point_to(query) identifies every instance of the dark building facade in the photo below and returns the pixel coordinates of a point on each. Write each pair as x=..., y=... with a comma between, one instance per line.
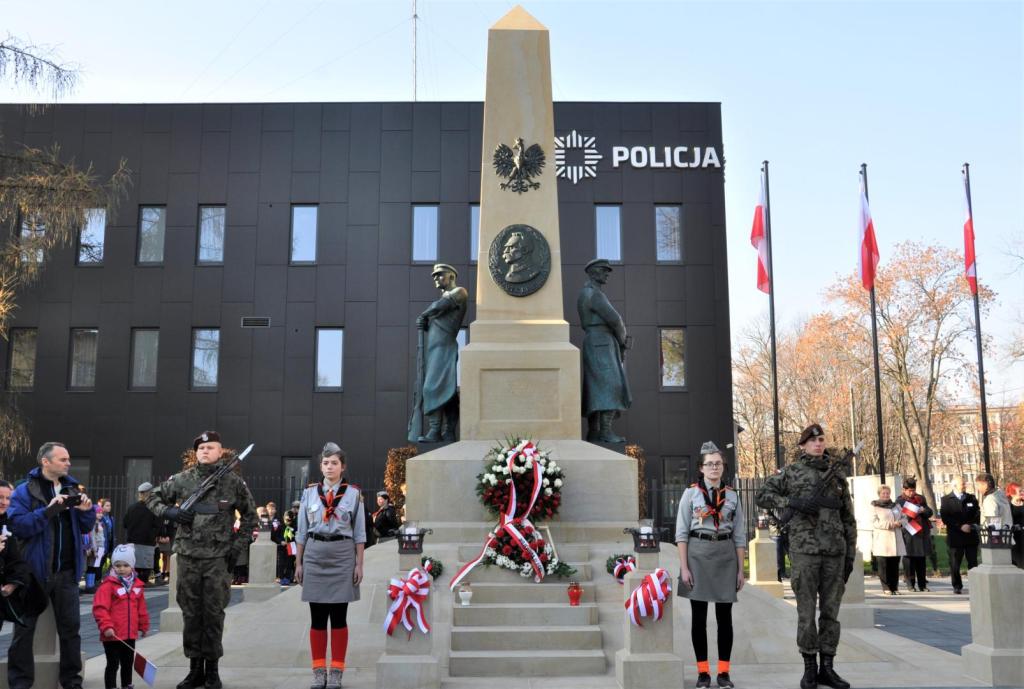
x=320, y=223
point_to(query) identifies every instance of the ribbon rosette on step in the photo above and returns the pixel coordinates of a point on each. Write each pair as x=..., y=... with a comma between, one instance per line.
x=648, y=599
x=520, y=483
x=409, y=595
x=621, y=565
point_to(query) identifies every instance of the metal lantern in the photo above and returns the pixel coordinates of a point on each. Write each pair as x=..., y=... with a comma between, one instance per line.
x=410, y=539
x=645, y=537
x=997, y=537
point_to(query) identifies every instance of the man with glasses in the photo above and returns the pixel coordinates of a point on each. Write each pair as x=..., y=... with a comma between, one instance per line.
x=822, y=546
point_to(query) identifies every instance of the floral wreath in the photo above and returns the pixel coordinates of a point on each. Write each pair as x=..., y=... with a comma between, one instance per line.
x=432, y=566
x=520, y=483
x=620, y=564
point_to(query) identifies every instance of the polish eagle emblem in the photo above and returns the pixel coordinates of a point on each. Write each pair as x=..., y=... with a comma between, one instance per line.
x=519, y=165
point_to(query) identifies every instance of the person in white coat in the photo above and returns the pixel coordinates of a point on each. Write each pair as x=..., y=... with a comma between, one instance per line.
x=886, y=540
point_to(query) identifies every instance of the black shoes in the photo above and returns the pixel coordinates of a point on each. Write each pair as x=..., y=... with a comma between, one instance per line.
x=958, y=591
x=212, y=676
x=827, y=675
x=195, y=678
x=810, y=678
x=723, y=680
x=703, y=680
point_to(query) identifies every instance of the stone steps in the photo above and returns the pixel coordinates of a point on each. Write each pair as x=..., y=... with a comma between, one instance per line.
x=497, y=575
x=528, y=592
x=520, y=614
x=526, y=663
x=526, y=638
x=568, y=552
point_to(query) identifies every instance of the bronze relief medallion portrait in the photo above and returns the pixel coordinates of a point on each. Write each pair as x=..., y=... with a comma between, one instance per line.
x=520, y=260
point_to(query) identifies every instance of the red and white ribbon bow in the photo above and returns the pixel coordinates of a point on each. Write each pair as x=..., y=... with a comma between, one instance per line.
x=409, y=595
x=623, y=566
x=507, y=521
x=648, y=599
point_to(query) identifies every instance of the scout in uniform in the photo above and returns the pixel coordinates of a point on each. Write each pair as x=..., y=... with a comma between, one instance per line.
x=822, y=544
x=329, y=564
x=711, y=536
x=207, y=548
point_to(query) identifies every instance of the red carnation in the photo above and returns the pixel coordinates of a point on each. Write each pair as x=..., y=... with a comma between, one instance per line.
x=539, y=543
x=543, y=558
x=528, y=530
x=500, y=533
x=506, y=550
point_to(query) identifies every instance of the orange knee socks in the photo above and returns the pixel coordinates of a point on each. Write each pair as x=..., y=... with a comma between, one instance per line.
x=318, y=647
x=703, y=666
x=723, y=666
x=339, y=647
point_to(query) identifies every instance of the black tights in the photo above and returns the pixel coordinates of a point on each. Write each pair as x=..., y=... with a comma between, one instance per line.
x=319, y=612
x=118, y=653
x=699, y=629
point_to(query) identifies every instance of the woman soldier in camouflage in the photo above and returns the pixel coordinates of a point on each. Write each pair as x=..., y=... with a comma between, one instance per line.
x=329, y=562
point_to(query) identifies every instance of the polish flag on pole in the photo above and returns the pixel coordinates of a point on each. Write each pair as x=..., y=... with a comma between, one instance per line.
x=970, y=267
x=868, y=244
x=759, y=240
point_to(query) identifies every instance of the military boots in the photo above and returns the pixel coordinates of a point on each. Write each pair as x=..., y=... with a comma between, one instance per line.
x=212, y=676
x=607, y=435
x=195, y=678
x=433, y=422
x=810, y=678
x=827, y=675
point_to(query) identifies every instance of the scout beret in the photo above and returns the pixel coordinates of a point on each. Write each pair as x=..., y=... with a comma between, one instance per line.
x=383, y=494
x=205, y=437
x=331, y=449
x=812, y=431
x=444, y=267
x=598, y=263
x=709, y=448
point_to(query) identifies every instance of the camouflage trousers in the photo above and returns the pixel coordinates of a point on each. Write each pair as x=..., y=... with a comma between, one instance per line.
x=204, y=589
x=818, y=583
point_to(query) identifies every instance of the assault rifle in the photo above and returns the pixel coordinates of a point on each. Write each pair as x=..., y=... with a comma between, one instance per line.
x=210, y=481
x=818, y=493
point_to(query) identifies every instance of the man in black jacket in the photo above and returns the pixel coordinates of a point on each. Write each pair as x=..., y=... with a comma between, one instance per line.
x=141, y=527
x=961, y=513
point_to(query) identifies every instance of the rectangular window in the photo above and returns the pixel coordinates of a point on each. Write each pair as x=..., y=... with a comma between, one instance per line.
x=669, y=222
x=32, y=233
x=673, y=358
x=21, y=370
x=145, y=348
x=474, y=232
x=609, y=232
x=137, y=470
x=80, y=470
x=152, y=228
x=212, y=221
x=676, y=476
x=205, y=358
x=303, y=234
x=295, y=477
x=330, y=349
x=90, y=239
x=424, y=233
x=84, y=342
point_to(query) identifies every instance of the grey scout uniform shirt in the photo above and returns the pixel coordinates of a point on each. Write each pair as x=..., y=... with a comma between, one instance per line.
x=348, y=514
x=692, y=505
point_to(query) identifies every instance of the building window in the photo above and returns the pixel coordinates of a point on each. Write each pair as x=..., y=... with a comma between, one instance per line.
x=474, y=232
x=303, y=234
x=145, y=348
x=32, y=233
x=90, y=239
x=80, y=469
x=424, y=233
x=676, y=473
x=152, y=228
x=673, y=358
x=84, y=342
x=21, y=370
x=609, y=232
x=205, y=358
x=669, y=225
x=330, y=349
x=137, y=470
x=295, y=477
x=212, y=221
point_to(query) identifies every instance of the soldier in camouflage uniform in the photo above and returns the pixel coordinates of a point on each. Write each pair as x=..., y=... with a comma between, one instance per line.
x=822, y=543
x=207, y=549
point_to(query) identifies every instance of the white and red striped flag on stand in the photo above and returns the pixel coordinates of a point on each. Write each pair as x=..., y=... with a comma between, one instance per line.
x=868, y=243
x=759, y=240
x=970, y=267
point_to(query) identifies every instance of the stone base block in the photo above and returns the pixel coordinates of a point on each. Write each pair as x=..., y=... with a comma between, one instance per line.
x=994, y=666
x=171, y=620
x=857, y=615
x=772, y=588
x=255, y=593
x=408, y=672
x=648, y=670
x=47, y=671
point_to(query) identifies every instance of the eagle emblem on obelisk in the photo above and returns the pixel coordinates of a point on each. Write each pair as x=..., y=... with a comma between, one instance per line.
x=519, y=165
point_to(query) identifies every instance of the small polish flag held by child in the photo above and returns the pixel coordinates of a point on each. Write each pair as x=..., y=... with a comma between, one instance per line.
x=910, y=509
x=146, y=669
x=292, y=549
x=912, y=526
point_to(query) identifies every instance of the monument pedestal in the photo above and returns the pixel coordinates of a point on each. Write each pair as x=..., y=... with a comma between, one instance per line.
x=262, y=570
x=996, y=652
x=44, y=652
x=764, y=572
x=171, y=619
x=408, y=661
x=854, y=612
x=647, y=659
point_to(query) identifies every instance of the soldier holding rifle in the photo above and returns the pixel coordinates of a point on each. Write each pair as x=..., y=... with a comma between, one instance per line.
x=813, y=496
x=202, y=502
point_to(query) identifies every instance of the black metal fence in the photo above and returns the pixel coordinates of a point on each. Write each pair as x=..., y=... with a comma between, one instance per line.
x=663, y=502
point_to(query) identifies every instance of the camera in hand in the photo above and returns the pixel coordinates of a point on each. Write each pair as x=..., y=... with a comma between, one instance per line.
x=74, y=498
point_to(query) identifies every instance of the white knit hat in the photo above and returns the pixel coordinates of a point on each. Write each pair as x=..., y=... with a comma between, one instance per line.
x=124, y=553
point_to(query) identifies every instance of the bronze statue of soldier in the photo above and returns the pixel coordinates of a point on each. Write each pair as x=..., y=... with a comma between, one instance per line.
x=436, y=408
x=605, y=388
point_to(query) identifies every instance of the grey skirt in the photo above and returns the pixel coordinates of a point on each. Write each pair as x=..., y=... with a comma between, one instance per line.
x=713, y=565
x=327, y=568
x=144, y=556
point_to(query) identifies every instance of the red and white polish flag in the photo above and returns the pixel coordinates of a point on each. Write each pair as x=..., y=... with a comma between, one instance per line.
x=868, y=244
x=759, y=240
x=970, y=267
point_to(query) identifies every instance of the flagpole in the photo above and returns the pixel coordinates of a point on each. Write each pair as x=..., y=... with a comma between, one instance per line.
x=977, y=330
x=771, y=318
x=874, y=350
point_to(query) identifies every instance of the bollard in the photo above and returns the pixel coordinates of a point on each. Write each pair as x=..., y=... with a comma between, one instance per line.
x=996, y=652
x=171, y=619
x=647, y=658
x=408, y=661
x=854, y=612
x=262, y=570
x=764, y=572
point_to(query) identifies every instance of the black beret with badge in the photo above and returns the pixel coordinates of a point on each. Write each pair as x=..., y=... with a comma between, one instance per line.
x=812, y=431
x=205, y=437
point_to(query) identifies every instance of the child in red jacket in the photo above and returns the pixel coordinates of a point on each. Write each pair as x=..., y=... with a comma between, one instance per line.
x=119, y=607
